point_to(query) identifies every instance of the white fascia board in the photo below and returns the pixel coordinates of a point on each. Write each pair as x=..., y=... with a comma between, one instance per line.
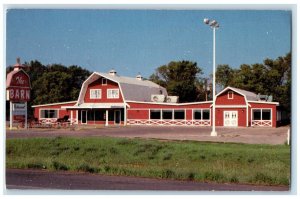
x=58, y=103
x=101, y=75
x=173, y=104
x=262, y=102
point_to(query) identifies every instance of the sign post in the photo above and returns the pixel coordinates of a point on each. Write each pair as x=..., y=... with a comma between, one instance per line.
x=18, y=93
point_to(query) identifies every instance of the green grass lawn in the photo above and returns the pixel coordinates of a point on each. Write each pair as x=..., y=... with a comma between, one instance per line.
x=200, y=161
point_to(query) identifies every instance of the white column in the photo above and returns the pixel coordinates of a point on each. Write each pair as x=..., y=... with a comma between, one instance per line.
x=213, y=132
x=71, y=117
x=125, y=115
x=106, y=117
x=76, y=116
x=10, y=114
x=25, y=115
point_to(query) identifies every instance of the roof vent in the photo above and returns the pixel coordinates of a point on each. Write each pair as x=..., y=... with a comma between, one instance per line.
x=113, y=72
x=139, y=77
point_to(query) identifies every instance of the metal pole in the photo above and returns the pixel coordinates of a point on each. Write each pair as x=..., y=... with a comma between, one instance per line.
x=213, y=132
x=25, y=115
x=10, y=115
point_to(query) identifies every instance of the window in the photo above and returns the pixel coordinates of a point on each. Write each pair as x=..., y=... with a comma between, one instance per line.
x=266, y=114
x=167, y=114
x=49, y=113
x=179, y=114
x=155, y=114
x=230, y=95
x=197, y=114
x=202, y=114
x=256, y=115
x=205, y=115
x=95, y=94
x=104, y=81
x=261, y=114
x=112, y=93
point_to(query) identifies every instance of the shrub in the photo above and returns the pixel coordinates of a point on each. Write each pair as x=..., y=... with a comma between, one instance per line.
x=167, y=156
x=59, y=166
x=86, y=168
x=168, y=173
x=36, y=166
x=214, y=176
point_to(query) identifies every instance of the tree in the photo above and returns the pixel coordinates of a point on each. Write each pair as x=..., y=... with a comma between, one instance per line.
x=179, y=78
x=224, y=75
x=273, y=77
x=53, y=83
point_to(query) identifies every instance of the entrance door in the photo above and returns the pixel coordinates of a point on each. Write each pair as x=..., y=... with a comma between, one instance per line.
x=83, y=117
x=231, y=118
x=117, y=116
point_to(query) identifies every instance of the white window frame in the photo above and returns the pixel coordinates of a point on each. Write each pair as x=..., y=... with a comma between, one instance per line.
x=261, y=109
x=48, y=109
x=113, y=97
x=179, y=110
x=104, y=81
x=157, y=111
x=93, y=90
x=201, y=114
x=230, y=93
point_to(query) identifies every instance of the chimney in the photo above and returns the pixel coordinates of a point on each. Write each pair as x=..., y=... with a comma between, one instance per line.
x=18, y=65
x=113, y=72
x=139, y=77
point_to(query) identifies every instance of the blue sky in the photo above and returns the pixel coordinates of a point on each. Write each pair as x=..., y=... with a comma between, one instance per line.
x=133, y=41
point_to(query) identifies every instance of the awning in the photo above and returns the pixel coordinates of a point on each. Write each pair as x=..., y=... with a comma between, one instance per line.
x=95, y=106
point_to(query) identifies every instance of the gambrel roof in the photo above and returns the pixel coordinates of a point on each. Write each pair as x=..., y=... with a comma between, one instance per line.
x=131, y=88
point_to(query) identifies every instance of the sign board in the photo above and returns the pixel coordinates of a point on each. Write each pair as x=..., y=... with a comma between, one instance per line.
x=18, y=93
x=18, y=86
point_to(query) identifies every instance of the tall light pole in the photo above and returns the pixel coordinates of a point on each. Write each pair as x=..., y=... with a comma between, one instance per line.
x=214, y=25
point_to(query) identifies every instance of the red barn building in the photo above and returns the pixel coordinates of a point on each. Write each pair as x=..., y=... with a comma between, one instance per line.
x=110, y=99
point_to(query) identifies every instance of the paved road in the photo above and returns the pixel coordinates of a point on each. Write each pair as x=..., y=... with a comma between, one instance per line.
x=239, y=135
x=40, y=179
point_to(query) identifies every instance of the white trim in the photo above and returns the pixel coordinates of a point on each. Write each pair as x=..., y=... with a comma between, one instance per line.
x=230, y=112
x=58, y=103
x=176, y=104
x=230, y=106
x=112, y=97
x=201, y=109
x=120, y=88
x=261, y=120
x=230, y=93
x=56, y=109
x=263, y=102
x=96, y=89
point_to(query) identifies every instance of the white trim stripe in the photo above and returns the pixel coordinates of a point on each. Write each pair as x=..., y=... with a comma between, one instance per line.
x=58, y=103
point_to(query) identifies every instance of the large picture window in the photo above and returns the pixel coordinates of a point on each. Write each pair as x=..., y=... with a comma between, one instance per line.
x=167, y=114
x=179, y=114
x=95, y=94
x=261, y=114
x=155, y=114
x=112, y=93
x=201, y=114
x=49, y=114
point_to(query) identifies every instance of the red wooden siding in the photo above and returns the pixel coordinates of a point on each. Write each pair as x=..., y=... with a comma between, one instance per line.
x=138, y=114
x=242, y=116
x=238, y=99
x=62, y=112
x=98, y=85
x=265, y=106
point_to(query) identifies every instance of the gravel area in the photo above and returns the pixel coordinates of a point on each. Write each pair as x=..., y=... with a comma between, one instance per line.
x=248, y=135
